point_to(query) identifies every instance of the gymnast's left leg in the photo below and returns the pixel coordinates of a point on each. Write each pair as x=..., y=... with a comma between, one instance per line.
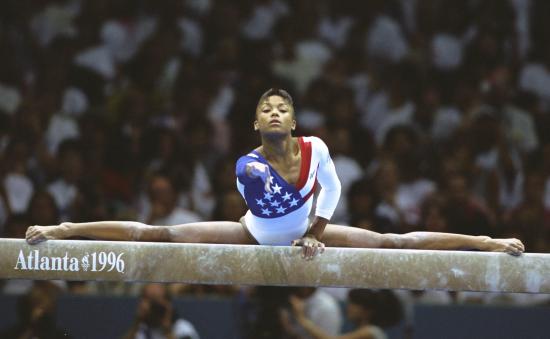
x=345, y=236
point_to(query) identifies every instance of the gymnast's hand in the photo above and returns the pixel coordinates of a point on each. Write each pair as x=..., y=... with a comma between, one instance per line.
x=511, y=246
x=310, y=245
x=36, y=234
x=256, y=169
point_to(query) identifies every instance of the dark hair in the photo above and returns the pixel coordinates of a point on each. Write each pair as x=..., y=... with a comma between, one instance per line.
x=157, y=311
x=278, y=92
x=386, y=308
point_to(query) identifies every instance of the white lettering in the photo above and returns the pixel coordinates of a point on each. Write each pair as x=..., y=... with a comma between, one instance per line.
x=29, y=261
x=36, y=256
x=66, y=262
x=45, y=263
x=74, y=265
x=56, y=264
x=33, y=261
x=20, y=261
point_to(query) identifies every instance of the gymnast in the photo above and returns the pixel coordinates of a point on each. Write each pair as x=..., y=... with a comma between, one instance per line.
x=277, y=181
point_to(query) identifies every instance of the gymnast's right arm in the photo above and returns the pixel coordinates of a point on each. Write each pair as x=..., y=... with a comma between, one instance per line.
x=100, y=230
x=248, y=170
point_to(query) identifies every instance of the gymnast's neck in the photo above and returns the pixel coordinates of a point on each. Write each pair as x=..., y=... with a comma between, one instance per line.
x=279, y=147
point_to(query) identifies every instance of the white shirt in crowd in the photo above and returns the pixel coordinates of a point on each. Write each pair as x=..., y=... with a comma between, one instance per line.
x=324, y=310
x=182, y=329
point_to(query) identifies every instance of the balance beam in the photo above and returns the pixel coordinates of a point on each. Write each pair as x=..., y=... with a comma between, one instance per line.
x=278, y=266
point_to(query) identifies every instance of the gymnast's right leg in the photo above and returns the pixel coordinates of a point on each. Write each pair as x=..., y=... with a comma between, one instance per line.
x=214, y=232
x=211, y=232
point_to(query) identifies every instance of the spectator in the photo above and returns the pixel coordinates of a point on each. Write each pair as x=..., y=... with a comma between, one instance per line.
x=362, y=202
x=319, y=307
x=347, y=168
x=230, y=206
x=161, y=204
x=465, y=213
x=16, y=184
x=530, y=219
x=66, y=187
x=266, y=313
x=42, y=209
x=156, y=318
x=36, y=314
x=16, y=226
x=400, y=198
x=415, y=97
x=389, y=107
x=370, y=311
x=433, y=217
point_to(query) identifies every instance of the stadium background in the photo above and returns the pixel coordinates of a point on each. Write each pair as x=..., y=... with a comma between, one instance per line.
x=436, y=113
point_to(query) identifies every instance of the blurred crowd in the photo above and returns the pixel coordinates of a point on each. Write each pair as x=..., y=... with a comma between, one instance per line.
x=435, y=111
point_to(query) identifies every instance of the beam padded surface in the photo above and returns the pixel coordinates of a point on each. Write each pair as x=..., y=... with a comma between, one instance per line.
x=266, y=265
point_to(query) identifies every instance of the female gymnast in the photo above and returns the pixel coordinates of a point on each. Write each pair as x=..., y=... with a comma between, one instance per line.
x=278, y=180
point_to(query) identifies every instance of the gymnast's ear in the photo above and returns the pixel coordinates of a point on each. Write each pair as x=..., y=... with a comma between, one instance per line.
x=293, y=125
x=256, y=125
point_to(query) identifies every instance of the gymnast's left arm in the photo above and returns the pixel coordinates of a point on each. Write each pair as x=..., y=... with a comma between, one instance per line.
x=326, y=203
x=330, y=189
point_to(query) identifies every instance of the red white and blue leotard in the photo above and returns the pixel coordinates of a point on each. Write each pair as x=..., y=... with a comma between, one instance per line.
x=279, y=217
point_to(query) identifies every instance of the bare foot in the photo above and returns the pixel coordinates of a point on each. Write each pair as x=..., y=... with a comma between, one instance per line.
x=36, y=234
x=511, y=246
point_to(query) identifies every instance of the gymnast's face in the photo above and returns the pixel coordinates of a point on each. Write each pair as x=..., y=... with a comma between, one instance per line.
x=275, y=116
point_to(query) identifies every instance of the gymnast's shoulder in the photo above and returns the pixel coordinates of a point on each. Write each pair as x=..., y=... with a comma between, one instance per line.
x=317, y=145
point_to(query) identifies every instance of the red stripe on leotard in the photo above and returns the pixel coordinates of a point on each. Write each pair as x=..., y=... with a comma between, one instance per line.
x=307, y=196
x=305, y=148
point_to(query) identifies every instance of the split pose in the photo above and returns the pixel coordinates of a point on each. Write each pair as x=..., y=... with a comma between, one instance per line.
x=278, y=180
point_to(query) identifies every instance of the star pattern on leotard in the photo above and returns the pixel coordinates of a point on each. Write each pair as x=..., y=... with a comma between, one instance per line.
x=281, y=210
x=294, y=202
x=273, y=197
x=277, y=189
x=277, y=203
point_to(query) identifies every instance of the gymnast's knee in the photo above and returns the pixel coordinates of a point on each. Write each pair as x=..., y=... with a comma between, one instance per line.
x=182, y=234
x=396, y=241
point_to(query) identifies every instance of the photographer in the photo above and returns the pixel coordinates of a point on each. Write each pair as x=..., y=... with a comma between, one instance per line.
x=155, y=318
x=36, y=314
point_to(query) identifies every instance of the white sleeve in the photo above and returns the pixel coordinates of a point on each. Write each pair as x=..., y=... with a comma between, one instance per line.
x=330, y=184
x=184, y=329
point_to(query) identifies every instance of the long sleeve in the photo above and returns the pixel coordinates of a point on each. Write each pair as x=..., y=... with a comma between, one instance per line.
x=330, y=184
x=240, y=169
